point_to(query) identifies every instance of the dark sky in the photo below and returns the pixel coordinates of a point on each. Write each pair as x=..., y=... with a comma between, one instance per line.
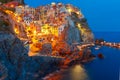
x=102, y=15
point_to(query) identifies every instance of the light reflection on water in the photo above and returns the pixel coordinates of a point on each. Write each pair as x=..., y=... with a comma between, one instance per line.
x=78, y=72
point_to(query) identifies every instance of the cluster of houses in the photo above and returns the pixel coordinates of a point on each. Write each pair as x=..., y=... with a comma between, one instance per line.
x=51, y=19
x=54, y=15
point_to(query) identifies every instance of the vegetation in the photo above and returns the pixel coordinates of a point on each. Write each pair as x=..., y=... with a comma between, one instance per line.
x=5, y=1
x=3, y=23
x=4, y=26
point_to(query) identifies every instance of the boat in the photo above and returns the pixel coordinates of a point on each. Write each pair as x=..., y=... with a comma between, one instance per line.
x=97, y=48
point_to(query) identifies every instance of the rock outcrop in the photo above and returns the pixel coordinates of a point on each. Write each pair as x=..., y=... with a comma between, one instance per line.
x=15, y=63
x=75, y=35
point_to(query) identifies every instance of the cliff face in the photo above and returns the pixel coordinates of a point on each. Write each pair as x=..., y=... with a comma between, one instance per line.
x=87, y=35
x=11, y=51
x=74, y=34
x=64, y=22
x=15, y=63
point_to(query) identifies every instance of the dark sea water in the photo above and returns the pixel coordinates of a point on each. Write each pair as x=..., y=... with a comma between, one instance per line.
x=99, y=69
x=109, y=67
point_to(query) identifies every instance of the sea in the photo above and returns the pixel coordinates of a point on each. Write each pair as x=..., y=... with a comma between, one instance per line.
x=98, y=69
x=109, y=67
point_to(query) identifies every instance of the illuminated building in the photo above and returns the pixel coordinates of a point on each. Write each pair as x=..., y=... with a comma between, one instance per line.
x=48, y=24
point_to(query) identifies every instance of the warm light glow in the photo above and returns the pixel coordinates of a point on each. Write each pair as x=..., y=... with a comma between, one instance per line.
x=8, y=11
x=80, y=28
x=18, y=21
x=19, y=18
x=12, y=5
x=39, y=34
x=69, y=10
x=20, y=6
x=52, y=39
x=78, y=73
x=15, y=14
x=46, y=29
x=35, y=32
x=41, y=31
x=78, y=12
x=16, y=31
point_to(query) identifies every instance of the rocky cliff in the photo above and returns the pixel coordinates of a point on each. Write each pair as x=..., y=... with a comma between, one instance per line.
x=15, y=63
x=74, y=34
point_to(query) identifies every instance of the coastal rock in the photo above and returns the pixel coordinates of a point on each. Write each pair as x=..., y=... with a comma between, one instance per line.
x=46, y=48
x=17, y=65
x=3, y=72
x=11, y=52
x=72, y=33
x=87, y=35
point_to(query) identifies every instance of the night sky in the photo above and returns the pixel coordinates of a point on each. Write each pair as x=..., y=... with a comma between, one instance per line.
x=102, y=15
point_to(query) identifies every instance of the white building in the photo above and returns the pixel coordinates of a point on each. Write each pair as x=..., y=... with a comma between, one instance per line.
x=26, y=9
x=60, y=29
x=27, y=20
x=19, y=10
